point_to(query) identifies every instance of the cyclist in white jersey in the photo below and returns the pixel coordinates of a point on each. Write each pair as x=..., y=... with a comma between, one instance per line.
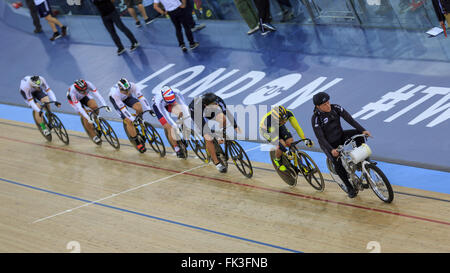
x=35, y=88
x=80, y=96
x=167, y=102
x=124, y=94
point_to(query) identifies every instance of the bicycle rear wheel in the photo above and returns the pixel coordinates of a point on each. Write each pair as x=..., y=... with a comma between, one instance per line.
x=154, y=139
x=335, y=176
x=199, y=147
x=289, y=176
x=240, y=158
x=379, y=183
x=49, y=137
x=59, y=128
x=109, y=133
x=310, y=171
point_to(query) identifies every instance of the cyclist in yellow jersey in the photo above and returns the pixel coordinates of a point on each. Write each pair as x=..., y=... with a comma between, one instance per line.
x=272, y=127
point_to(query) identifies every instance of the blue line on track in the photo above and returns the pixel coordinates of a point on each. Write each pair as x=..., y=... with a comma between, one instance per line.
x=151, y=217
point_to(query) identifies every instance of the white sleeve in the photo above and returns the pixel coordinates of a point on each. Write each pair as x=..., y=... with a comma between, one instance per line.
x=51, y=95
x=33, y=105
x=123, y=108
x=77, y=105
x=165, y=113
x=81, y=110
x=99, y=97
x=29, y=99
x=96, y=93
x=141, y=98
x=179, y=97
x=47, y=89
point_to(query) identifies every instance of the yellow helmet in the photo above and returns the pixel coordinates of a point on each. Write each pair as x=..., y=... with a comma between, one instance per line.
x=279, y=113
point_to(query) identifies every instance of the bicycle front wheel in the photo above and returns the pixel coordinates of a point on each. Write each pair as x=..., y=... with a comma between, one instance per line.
x=154, y=139
x=240, y=158
x=310, y=171
x=379, y=183
x=109, y=134
x=59, y=128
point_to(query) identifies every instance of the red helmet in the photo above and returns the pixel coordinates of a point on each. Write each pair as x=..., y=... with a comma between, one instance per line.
x=80, y=85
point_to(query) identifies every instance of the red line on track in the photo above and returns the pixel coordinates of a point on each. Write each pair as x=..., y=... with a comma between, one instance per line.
x=231, y=182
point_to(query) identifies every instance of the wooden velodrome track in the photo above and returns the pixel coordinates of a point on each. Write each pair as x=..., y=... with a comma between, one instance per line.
x=123, y=201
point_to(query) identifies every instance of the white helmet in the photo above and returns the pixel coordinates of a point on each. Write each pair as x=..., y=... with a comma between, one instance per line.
x=124, y=84
x=35, y=81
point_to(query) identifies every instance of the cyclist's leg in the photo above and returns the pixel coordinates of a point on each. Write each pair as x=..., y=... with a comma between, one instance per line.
x=210, y=147
x=285, y=140
x=137, y=106
x=171, y=135
x=168, y=128
x=130, y=127
x=93, y=105
x=42, y=97
x=343, y=175
x=207, y=134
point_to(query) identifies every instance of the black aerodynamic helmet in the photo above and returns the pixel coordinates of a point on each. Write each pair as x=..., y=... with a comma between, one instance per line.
x=320, y=98
x=209, y=98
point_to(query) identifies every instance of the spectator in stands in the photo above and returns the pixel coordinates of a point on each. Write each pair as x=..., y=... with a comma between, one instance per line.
x=442, y=9
x=45, y=11
x=263, y=7
x=179, y=16
x=35, y=16
x=248, y=13
x=193, y=20
x=130, y=6
x=111, y=17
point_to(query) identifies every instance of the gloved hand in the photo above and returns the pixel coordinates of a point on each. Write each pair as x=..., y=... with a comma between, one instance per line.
x=58, y=104
x=108, y=109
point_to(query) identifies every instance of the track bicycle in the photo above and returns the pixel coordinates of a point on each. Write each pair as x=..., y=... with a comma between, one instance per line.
x=298, y=162
x=361, y=171
x=52, y=122
x=102, y=128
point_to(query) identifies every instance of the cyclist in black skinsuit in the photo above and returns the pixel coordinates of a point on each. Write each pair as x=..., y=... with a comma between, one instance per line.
x=327, y=127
